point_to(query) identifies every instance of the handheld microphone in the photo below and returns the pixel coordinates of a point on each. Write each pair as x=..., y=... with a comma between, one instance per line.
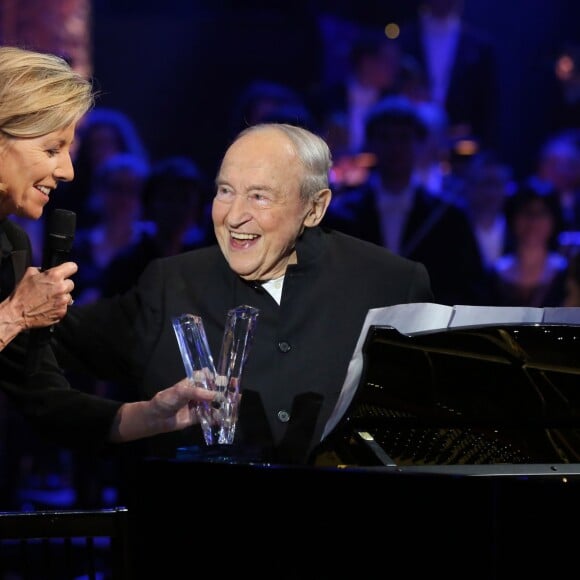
x=58, y=243
x=59, y=238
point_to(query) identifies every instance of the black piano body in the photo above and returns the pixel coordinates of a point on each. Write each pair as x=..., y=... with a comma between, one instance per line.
x=456, y=454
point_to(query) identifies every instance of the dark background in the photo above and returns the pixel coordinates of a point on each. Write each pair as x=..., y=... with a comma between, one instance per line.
x=176, y=66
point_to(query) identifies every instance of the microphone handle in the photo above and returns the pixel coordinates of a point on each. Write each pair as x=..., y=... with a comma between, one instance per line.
x=40, y=337
x=55, y=258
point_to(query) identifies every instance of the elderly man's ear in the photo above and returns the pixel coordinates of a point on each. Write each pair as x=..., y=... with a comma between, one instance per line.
x=320, y=204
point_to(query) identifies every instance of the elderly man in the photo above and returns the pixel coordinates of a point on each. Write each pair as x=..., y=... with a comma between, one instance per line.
x=312, y=286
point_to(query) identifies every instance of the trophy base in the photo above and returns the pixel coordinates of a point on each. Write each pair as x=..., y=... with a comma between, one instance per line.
x=221, y=453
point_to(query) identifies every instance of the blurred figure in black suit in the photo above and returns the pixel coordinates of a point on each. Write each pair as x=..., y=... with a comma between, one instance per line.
x=460, y=63
x=487, y=184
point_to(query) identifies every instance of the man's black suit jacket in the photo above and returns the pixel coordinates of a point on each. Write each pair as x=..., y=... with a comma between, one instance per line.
x=472, y=95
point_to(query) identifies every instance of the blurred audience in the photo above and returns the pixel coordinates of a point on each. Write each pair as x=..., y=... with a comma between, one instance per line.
x=373, y=73
x=534, y=272
x=116, y=194
x=102, y=133
x=392, y=208
x=175, y=217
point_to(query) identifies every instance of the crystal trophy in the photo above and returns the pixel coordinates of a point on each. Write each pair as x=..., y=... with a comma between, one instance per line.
x=218, y=419
x=199, y=368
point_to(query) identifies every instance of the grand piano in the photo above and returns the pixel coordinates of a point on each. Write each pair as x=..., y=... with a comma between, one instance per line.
x=466, y=390
x=454, y=450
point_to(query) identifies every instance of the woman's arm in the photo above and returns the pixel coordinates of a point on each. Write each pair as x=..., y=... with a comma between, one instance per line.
x=169, y=410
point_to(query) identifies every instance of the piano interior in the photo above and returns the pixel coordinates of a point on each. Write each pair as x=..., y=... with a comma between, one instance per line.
x=497, y=395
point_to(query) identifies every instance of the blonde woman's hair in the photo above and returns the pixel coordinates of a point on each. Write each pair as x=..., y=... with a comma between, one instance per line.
x=39, y=93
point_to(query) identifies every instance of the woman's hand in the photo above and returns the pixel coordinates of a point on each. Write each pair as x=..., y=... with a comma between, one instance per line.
x=40, y=299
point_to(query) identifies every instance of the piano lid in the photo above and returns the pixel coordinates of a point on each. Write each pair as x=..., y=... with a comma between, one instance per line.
x=463, y=386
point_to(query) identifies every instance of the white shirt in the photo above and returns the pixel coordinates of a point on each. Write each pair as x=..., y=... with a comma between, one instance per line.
x=274, y=288
x=491, y=240
x=393, y=211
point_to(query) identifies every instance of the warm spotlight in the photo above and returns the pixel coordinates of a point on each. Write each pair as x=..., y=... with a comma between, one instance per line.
x=392, y=30
x=466, y=147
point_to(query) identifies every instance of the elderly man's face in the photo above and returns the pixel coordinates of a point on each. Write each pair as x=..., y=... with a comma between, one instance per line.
x=257, y=211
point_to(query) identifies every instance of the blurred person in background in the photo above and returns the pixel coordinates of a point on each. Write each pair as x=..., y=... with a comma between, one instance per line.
x=487, y=184
x=116, y=194
x=175, y=220
x=533, y=273
x=102, y=133
x=558, y=164
x=461, y=67
x=373, y=72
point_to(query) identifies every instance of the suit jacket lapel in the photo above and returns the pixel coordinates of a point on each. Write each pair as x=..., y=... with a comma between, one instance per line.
x=423, y=217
